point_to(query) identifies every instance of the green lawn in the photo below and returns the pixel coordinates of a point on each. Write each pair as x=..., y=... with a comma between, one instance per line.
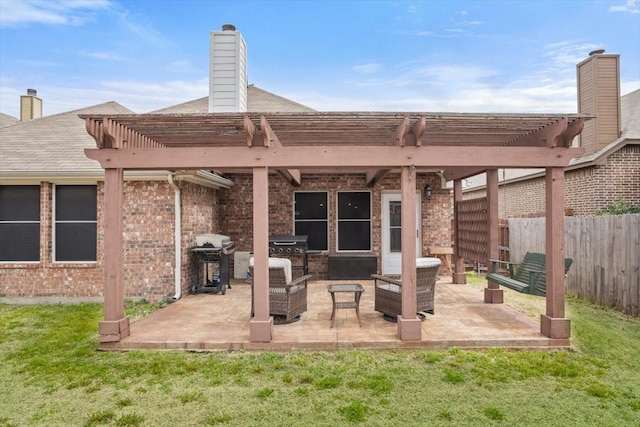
x=52, y=375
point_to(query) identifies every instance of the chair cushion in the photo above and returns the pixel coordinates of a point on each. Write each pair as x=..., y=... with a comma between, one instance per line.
x=279, y=263
x=427, y=262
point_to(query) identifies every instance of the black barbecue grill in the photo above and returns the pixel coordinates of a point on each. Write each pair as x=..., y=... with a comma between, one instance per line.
x=214, y=250
x=288, y=247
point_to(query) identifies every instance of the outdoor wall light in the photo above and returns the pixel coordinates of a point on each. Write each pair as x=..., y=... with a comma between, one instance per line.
x=427, y=192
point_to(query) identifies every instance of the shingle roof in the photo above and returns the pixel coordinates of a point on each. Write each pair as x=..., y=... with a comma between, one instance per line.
x=258, y=100
x=630, y=106
x=26, y=148
x=53, y=143
x=7, y=120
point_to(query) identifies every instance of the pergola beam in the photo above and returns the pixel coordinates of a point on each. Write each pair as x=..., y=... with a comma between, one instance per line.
x=419, y=129
x=462, y=172
x=385, y=157
x=402, y=138
x=249, y=130
x=271, y=140
x=373, y=176
x=402, y=131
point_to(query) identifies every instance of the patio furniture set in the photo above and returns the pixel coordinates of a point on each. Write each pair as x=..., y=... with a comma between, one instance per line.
x=288, y=296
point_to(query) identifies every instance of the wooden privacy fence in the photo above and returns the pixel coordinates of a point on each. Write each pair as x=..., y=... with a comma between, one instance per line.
x=605, y=252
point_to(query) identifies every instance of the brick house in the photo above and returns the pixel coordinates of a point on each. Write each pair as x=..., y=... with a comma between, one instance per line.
x=52, y=219
x=123, y=224
x=610, y=166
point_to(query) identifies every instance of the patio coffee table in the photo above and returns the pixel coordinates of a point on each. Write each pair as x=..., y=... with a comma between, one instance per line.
x=355, y=288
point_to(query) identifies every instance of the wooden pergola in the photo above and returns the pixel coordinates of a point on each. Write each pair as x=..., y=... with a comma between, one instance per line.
x=461, y=145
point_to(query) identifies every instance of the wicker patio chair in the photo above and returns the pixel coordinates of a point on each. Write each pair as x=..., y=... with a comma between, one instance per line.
x=287, y=298
x=388, y=290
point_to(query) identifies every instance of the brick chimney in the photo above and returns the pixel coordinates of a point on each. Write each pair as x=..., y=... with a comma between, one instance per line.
x=30, y=106
x=227, y=71
x=599, y=94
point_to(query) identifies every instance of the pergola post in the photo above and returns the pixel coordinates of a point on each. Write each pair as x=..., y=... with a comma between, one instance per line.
x=553, y=324
x=261, y=325
x=492, y=294
x=458, y=271
x=409, y=326
x=115, y=325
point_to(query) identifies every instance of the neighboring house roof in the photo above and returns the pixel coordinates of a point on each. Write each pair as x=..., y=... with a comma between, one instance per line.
x=26, y=146
x=630, y=106
x=26, y=155
x=630, y=121
x=7, y=120
x=258, y=100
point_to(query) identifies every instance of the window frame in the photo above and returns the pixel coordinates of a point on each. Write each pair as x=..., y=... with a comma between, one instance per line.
x=338, y=221
x=55, y=222
x=325, y=220
x=37, y=222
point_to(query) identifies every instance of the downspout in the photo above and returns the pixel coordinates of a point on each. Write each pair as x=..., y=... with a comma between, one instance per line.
x=177, y=239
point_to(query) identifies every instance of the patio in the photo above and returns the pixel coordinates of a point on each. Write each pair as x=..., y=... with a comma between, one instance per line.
x=210, y=322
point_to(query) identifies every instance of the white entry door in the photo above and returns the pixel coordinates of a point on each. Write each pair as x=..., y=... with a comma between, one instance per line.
x=392, y=232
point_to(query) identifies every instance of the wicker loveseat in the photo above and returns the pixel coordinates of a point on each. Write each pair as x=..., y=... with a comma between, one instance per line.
x=388, y=290
x=287, y=297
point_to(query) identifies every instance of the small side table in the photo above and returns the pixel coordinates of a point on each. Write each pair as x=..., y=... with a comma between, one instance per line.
x=356, y=289
x=445, y=252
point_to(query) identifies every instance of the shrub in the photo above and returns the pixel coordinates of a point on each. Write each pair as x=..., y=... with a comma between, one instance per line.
x=619, y=207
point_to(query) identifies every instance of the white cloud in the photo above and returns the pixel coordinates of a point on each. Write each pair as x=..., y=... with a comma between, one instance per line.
x=631, y=6
x=366, y=68
x=52, y=12
x=107, y=56
x=141, y=30
x=450, y=88
x=563, y=56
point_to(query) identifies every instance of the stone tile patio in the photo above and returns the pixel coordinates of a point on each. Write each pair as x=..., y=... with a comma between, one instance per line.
x=210, y=322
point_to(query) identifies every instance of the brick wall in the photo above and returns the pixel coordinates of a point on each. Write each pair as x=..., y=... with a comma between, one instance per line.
x=236, y=210
x=46, y=279
x=148, y=239
x=149, y=232
x=199, y=216
x=148, y=245
x=586, y=189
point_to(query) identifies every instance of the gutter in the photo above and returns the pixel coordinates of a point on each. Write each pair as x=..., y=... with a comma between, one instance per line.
x=177, y=272
x=204, y=178
x=22, y=177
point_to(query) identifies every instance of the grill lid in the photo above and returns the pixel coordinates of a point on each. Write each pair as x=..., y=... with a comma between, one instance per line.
x=217, y=240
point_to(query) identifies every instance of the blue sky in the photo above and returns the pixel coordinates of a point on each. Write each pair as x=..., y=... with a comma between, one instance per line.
x=458, y=56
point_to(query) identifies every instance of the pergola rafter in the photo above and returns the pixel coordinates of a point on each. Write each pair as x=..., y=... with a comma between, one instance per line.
x=271, y=140
x=110, y=134
x=557, y=134
x=368, y=129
